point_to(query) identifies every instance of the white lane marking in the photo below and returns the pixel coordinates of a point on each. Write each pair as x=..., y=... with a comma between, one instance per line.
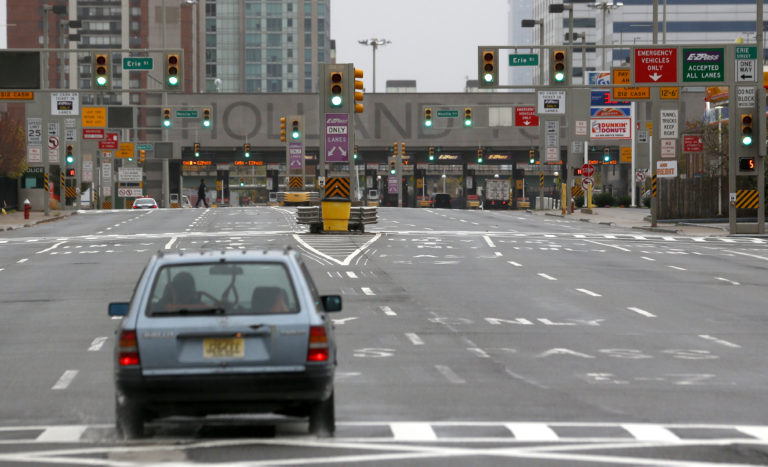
x=719, y=341
x=589, y=292
x=517, y=265
x=650, y=432
x=415, y=340
x=22, y=260
x=61, y=434
x=2, y=269
x=351, y=275
x=479, y=352
x=759, y=432
x=746, y=254
x=170, y=242
x=532, y=432
x=647, y=258
x=727, y=280
x=547, y=277
x=489, y=241
x=367, y=291
x=449, y=374
x=608, y=245
x=640, y=311
x=65, y=380
x=388, y=311
x=55, y=245
x=343, y=320
x=346, y=260
x=498, y=253
x=97, y=344
x=413, y=432
x=677, y=267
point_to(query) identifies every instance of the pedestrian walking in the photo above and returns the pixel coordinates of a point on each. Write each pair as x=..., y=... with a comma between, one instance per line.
x=201, y=194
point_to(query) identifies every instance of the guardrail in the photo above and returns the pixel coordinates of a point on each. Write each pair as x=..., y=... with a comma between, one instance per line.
x=358, y=217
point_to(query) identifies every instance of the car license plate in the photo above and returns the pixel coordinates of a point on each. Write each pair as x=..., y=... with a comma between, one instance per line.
x=223, y=347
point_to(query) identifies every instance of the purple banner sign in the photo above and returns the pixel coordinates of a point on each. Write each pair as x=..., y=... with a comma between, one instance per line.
x=392, y=183
x=337, y=137
x=295, y=155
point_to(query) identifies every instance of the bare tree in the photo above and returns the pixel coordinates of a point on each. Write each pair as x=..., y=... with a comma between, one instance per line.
x=12, y=147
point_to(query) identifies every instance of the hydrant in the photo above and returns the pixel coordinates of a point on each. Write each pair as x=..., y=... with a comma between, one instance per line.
x=27, y=208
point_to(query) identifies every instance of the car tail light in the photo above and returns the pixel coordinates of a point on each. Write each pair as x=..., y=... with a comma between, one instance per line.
x=493, y=202
x=128, y=352
x=318, y=344
x=135, y=207
x=154, y=206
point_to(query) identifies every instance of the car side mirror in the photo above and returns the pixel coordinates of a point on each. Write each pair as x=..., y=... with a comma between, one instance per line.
x=118, y=309
x=331, y=302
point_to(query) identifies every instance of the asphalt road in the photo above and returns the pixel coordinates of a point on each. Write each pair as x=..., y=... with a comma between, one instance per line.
x=467, y=338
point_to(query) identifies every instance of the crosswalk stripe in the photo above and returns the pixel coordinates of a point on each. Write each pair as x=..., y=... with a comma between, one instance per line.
x=532, y=432
x=413, y=432
x=650, y=432
x=759, y=432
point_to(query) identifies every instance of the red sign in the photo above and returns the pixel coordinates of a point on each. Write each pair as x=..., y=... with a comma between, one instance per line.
x=656, y=65
x=526, y=116
x=587, y=170
x=111, y=141
x=693, y=143
x=93, y=133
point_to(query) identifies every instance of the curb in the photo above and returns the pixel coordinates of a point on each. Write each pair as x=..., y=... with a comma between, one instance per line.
x=39, y=221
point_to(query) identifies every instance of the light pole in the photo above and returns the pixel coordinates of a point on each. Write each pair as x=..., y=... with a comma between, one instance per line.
x=375, y=43
x=605, y=7
x=194, y=6
x=529, y=23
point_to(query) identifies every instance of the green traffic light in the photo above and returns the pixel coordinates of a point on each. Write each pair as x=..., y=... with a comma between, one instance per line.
x=173, y=80
x=166, y=123
x=295, y=134
x=101, y=80
x=746, y=140
x=468, y=122
x=559, y=76
x=336, y=101
x=70, y=159
x=479, y=160
x=427, y=123
x=488, y=77
x=207, y=123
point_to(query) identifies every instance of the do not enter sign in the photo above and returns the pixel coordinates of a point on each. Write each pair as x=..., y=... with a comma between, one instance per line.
x=587, y=170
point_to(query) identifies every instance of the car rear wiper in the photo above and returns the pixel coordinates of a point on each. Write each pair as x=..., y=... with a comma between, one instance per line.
x=187, y=311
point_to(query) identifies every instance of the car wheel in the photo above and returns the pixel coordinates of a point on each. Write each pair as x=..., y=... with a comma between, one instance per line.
x=322, y=418
x=129, y=419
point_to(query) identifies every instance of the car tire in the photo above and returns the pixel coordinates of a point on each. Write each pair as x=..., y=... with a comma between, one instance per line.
x=129, y=419
x=322, y=418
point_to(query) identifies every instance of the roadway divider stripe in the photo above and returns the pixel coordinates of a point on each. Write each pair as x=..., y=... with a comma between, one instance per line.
x=759, y=432
x=650, y=432
x=413, y=432
x=532, y=432
x=337, y=187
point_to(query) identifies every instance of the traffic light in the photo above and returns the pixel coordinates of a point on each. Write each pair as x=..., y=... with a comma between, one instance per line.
x=70, y=156
x=358, y=90
x=577, y=172
x=747, y=164
x=355, y=152
x=206, y=117
x=402, y=149
x=428, y=117
x=246, y=150
x=71, y=172
x=431, y=154
x=336, y=88
x=606, y=155
x=242, y=181
x=392, y=165
x=142, y=156
x=100, y=71
x=197, y=149
x=172, y=71
x=479, y=156
x=531, y=157
x=489, y=68
x=468, y=116
x=167, y=117
x=282, y=129
x=559, y=68
x=746, y=129
x=295, y=130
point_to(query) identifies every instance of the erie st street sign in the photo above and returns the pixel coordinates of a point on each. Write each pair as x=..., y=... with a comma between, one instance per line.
x=137, y=63
x=523, y=60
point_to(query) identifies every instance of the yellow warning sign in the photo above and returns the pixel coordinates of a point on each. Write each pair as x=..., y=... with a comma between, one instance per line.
x=337, y=187
x=747, y=199
x=94, y=117
x=634, y=92
x=17, y=95
x=669, y=92
x=626, y=154
x=621, y=76
x=125, y=150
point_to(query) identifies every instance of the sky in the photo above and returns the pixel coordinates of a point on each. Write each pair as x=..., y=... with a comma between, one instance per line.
x=433, y=41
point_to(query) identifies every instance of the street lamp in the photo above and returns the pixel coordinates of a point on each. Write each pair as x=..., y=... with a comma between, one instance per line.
x=605, y=6
x=375, y=43
x=529, y=23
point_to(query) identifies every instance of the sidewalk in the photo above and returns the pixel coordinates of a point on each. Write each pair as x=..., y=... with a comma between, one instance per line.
x=15, y=219
x=640, y=219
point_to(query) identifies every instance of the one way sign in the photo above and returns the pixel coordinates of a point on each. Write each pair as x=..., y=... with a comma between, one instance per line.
x=745, y=70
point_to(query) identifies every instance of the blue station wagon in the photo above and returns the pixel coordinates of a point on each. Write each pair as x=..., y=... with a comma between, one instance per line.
x=225, y=332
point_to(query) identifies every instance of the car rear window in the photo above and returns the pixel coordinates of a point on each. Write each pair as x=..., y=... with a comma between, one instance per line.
x=222, y=289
